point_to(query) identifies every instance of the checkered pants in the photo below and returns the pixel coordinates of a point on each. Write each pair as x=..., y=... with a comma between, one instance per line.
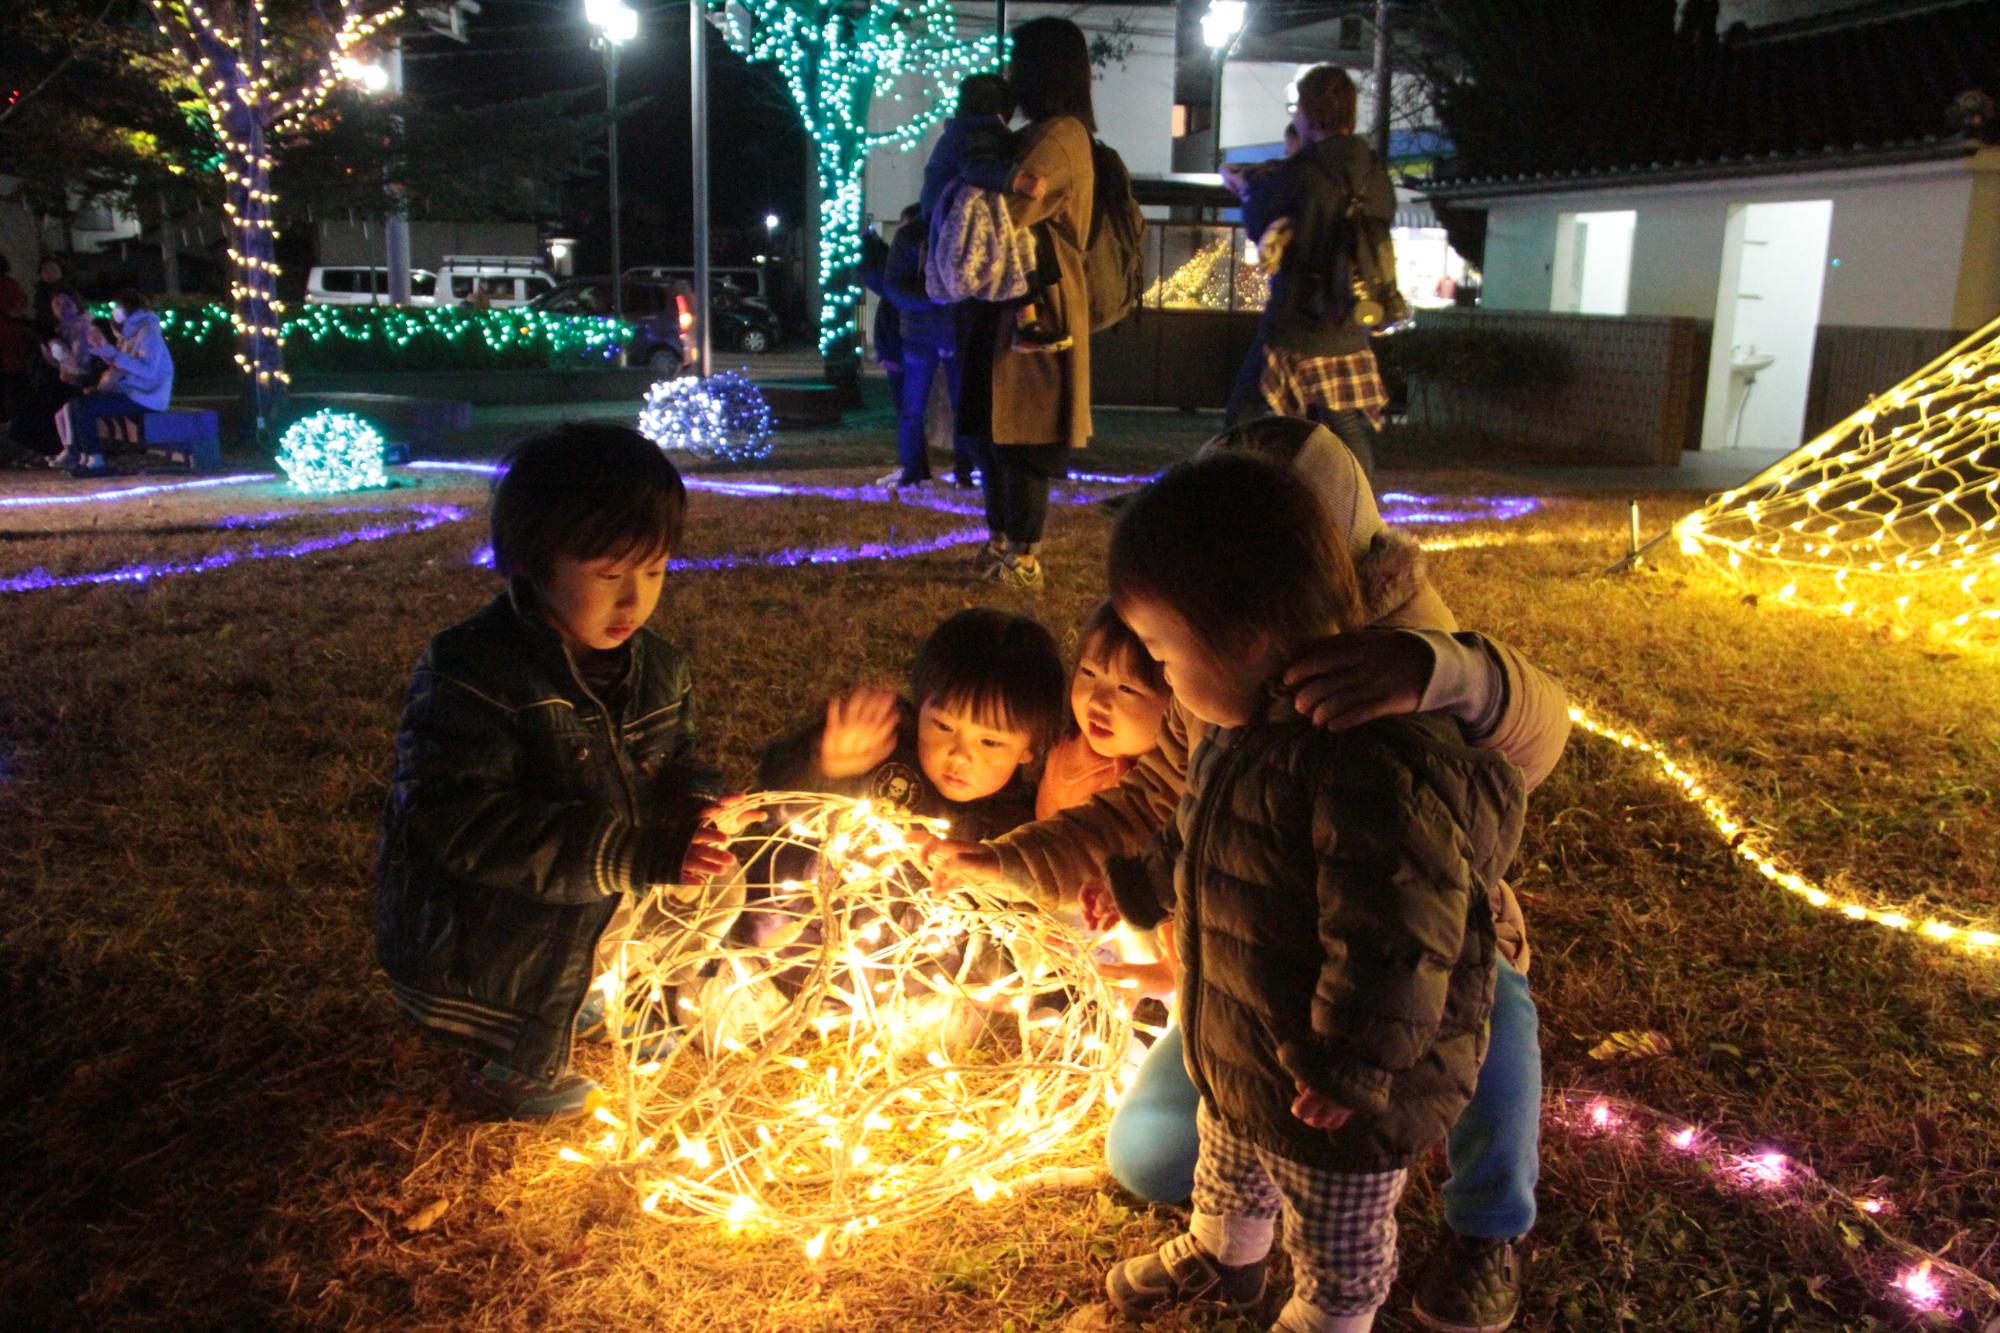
x=1293, y=385
x=1340, y=1227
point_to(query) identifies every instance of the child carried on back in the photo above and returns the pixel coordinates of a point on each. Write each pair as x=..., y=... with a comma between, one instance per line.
x=1337, y=951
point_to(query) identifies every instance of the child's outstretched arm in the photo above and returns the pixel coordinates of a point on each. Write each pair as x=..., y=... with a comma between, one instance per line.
x=1395, y=896
x=461, y=780
x=1052, y=859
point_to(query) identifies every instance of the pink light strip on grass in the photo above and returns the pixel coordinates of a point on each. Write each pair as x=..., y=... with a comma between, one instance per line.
x=1922, y=1280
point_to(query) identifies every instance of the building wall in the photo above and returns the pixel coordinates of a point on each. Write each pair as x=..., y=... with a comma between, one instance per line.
x=1978, y=300
x=430, y=242
x=1898, y=243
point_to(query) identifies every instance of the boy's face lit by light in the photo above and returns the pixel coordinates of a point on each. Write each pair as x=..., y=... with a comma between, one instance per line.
x=964, y=753
x=600, y=604
x=1116, y=710
x=1224, y=689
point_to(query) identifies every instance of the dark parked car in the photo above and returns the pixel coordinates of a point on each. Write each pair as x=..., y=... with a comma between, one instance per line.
x=657, y=310
x=742, y=322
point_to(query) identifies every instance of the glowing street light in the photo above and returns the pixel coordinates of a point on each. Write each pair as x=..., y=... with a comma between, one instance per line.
x=1221, y=26
x=617, y=23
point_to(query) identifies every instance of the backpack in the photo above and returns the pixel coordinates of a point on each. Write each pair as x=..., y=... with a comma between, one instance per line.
x=1354, y=277
x=1113, y=255
x=976, y=253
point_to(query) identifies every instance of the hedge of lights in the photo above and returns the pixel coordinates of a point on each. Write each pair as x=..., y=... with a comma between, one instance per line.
x=392, y=338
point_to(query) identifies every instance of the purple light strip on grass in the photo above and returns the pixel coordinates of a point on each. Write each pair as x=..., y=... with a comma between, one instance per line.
x=428, y=517
x=132, y=492
x=824, y=555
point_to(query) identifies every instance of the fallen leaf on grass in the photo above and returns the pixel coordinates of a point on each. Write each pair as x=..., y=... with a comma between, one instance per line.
x=427, y=1216
x=1623, y=1048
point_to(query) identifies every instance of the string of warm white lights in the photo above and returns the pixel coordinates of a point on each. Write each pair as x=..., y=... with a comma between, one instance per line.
x=1737, y=836
x=1209, y=279
x=1892, y=514
x=850, y=1050
x=1926, y=1281
x=840, y=62
x=235, y=66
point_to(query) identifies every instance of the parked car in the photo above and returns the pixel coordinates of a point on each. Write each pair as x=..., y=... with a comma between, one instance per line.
x=358, y=284
x=743, y=321
x=657, y=311
x=492, y=282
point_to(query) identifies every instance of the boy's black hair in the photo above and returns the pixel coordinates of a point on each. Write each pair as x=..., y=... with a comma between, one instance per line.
x=1106, y=636
x=1050, y=70
x=1234, y=545
x=589, y=491
x=132, y=299
x=985, y=95
x=1002, y=667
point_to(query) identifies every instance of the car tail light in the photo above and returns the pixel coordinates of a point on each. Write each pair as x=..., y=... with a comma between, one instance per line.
x=687, y=315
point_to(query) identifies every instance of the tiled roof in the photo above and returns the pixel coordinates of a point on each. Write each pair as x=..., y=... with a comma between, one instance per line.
x=1880, y=86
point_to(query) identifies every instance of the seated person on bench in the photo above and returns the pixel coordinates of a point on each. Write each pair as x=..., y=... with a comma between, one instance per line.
x=138, y=378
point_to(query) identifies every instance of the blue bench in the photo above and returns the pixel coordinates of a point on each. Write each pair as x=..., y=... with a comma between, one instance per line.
x=190, y=438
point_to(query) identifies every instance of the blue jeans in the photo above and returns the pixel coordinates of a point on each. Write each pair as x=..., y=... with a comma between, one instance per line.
x=920, y=367
x=1494, y=1148
x=86, y=410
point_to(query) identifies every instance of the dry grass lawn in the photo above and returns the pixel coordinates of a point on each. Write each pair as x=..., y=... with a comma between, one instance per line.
x=213, y=1117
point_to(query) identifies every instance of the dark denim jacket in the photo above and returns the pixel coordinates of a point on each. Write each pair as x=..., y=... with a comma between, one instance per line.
x=521, y=809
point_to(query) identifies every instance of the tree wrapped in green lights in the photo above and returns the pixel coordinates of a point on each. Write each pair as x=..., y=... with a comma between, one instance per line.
x=258, y=84
x=836, y=58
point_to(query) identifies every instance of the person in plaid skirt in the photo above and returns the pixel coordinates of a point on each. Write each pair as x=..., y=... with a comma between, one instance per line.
x=1337, y=950
x=1312, y=357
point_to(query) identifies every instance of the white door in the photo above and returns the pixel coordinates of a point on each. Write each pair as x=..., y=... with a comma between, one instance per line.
x=1766, y=320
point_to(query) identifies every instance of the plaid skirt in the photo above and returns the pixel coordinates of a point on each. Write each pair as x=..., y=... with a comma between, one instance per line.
x=1293, y=384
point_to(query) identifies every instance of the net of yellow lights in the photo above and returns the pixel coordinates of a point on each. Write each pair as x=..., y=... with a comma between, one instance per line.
x=1893, y=515
x=850, y=1050
x=1203, y=282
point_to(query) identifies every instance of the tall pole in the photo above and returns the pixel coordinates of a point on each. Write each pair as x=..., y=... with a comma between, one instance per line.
x=617, y=241
x=1215, y=103
x=1381, y=127
x=698, y=105
x=396, y=227
x=1000, y=17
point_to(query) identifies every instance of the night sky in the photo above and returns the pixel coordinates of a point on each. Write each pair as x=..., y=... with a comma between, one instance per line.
x=758, y=152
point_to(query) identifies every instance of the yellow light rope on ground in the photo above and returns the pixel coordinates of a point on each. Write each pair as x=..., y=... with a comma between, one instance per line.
x=1736, y=834
x=1893, y=514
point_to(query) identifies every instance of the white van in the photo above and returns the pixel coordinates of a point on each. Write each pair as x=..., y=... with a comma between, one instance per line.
x=357, y=284
x=493, y=282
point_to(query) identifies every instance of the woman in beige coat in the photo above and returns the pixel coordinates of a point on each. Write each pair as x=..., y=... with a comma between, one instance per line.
x=1041, y=374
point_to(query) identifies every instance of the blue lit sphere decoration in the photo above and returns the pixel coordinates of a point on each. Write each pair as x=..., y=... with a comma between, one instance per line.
x=330, y=452
x=724, y=416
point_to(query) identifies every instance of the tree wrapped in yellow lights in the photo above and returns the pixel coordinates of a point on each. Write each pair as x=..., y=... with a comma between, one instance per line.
x=854, y=1049
x=1893, y=514
x=256, y=85
x=1203, y=281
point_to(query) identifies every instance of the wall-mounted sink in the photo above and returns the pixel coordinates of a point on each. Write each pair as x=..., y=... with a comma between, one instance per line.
x=1747, y=364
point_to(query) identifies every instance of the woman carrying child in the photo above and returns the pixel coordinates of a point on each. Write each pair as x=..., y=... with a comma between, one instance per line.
x=1337, y=951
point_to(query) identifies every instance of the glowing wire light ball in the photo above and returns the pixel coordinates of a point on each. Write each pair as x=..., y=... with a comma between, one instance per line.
x=1894, y=514
x=724, y=416
x=857, y=1050
x=330, y=452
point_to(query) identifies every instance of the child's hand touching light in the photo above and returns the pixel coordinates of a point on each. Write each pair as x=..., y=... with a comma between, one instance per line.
x=732, y=814
x=1359, y=676
x=1146, y=978
x=708, y=855
x=860, y=731
x=1319, y=1110
x=1100, y=910
x=954, y=863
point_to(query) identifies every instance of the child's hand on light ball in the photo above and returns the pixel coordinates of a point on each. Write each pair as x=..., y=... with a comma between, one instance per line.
x=954, y=863
x=708, y=855
x=732, y=814
x=860, y=731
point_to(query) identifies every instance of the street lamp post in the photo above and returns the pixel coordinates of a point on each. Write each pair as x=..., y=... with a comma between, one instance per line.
x=617, y=23
x=1221, y=25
